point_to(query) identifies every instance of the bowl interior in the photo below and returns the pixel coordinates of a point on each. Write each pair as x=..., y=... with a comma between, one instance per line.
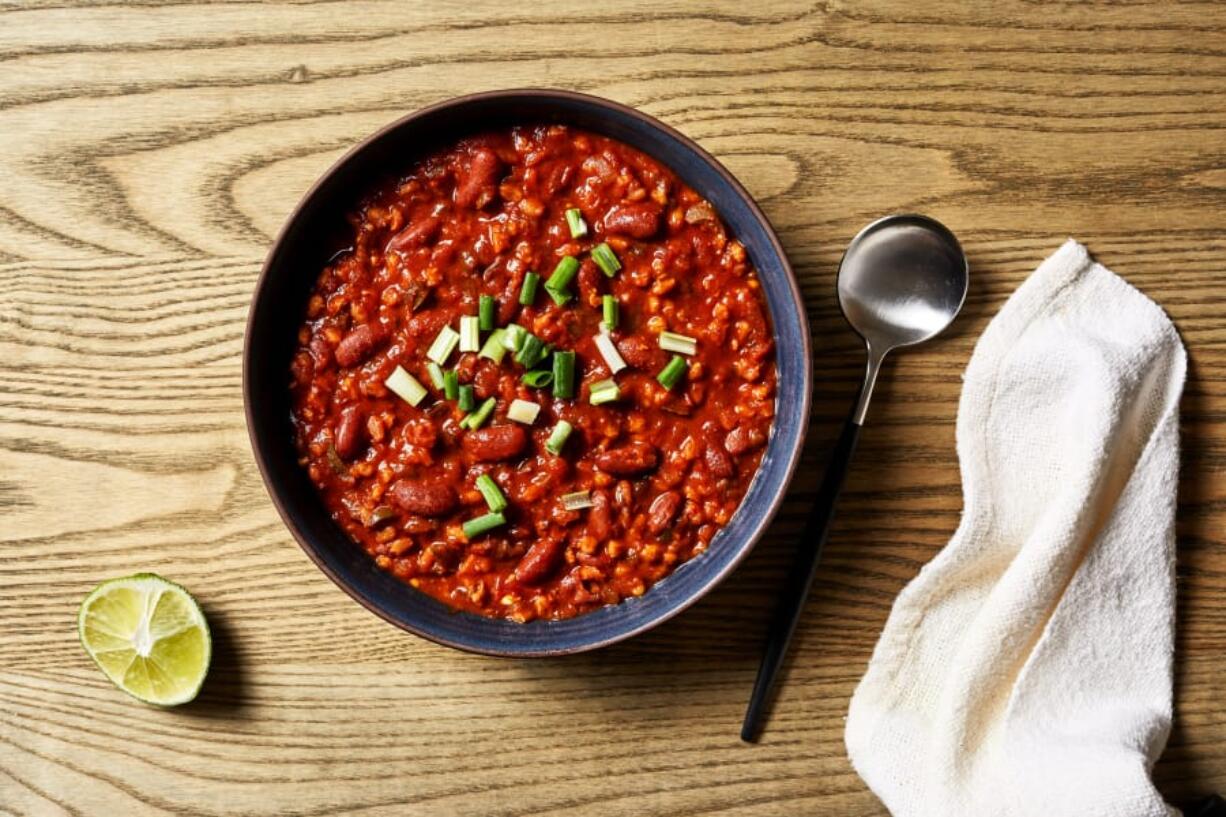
x=311, y=236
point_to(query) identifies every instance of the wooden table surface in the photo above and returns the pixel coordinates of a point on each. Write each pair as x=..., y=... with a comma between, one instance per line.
x=148, y=151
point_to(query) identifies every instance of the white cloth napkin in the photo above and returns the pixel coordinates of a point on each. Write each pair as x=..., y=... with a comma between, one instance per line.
x=1026, y=671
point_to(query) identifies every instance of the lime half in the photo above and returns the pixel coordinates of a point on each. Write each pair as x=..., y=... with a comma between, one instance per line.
x=149, y=636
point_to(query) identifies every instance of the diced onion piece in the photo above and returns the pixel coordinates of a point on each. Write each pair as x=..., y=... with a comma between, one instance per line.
x=443, y=345
x=470, y=333
x=604, y=391
x=672, y=342
x=523, y=411
x=558, y=437
x=494, y=348
x=405, y=386
x=577, y=501
x=609, y=352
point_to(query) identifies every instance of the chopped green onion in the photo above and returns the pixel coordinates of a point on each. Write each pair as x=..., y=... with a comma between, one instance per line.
x=494, y=348
x=574, y=220
x=492, y=493
x=577, y=501
x=406, y=386
x=558, y=285
x=523, y=411
x=379, y=515
x=485, y=311
x=604, y=345
x=470, y=333
x=610, y=311
x=451, y=384
x=538, y=379
x=606, y=259
x=557, y=437
x=564, y=375
x=477, y=419
x=672, y=342
x=604, y=391
x=514, y=337
x=482, y=524
x=468, y=399
x=436, y=374
x=672, y=373
x=443, y=345
x=531, y=352
x=527, y=291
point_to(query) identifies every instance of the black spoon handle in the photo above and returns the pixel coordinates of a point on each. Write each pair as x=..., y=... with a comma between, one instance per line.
x=800, y=579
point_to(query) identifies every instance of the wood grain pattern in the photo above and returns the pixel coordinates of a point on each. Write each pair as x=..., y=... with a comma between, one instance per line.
x=148, y=150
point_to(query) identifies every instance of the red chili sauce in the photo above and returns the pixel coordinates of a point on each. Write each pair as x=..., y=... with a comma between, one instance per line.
x=663, y=468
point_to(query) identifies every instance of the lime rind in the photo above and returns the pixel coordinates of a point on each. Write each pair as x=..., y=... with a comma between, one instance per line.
x=148, y=636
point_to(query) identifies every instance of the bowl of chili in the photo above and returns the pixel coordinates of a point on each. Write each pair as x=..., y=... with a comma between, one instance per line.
x=527, y=372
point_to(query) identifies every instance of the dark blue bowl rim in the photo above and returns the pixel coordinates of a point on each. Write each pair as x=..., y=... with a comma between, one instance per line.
x=788, y=449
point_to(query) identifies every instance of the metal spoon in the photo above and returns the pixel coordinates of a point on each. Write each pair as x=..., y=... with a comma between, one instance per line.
x=902, y=280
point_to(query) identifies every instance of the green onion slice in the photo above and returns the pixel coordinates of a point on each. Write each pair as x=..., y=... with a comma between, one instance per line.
x=606, y=259
x=577, y=501
x=603, y=391
x=477, y=419
x=564, y=375
x=604, y=344
x=672, y=342
x=610, y=310
x=558, y=285
x=468, y=399
x=470, y=333
x=483, y=524
x=514, y=337
x=574, y=220
x=436, y=374
x=494, y=348
x=492, y=493
x=531, y=352
x=672, y=373
x=443, y=345
x=538, y=379
x=451, y=384
x=406, y=386
x=527, y=290
x=557, y=437
x=485, y=312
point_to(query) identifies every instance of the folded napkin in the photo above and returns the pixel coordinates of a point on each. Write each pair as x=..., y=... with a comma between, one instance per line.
x=1026, y=671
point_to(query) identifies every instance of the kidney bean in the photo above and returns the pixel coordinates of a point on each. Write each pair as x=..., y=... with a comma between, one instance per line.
x=599, y=523
x=663, y=511
x=356, y=346
x=321, y=351
x=718, y=462
x=495, y=444
x=589, y=281
x=639, y=220
x=477, y=184
x=416, y=233
x=424, y=497
x=628, y=460
x=641, y=353
x=743, y=438
x=350, y=432
x=539, y=561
